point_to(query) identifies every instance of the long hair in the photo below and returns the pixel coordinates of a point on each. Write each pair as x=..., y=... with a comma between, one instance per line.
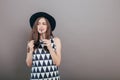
x=35, y=35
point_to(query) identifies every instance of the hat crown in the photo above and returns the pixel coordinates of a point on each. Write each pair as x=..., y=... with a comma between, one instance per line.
x=43, y=14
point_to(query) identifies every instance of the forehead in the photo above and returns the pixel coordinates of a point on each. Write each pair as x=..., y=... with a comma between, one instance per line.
x=42, y=20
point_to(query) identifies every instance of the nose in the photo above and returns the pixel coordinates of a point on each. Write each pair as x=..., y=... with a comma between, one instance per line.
x=40, y=26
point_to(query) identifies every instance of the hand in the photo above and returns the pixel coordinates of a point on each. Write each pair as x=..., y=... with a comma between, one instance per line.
x=47, y=42
x=30, y=45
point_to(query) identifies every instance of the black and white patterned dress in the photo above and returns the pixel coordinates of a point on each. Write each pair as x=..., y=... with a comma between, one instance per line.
x=42, y=64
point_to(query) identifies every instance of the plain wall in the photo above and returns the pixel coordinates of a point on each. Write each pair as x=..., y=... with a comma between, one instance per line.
x=89, y=31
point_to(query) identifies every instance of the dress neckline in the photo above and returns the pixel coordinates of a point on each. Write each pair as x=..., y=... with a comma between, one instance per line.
x=51, y=38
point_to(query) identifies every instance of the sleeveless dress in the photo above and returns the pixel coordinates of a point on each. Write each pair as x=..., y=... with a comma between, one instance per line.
x=42, y=64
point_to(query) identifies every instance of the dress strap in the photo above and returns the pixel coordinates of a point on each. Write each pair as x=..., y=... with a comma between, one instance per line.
x=53, y=43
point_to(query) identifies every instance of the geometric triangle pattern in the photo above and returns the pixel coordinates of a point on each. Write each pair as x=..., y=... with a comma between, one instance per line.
x=42, y=64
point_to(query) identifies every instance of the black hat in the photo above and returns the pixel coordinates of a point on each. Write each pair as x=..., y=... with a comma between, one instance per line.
x=42, y=14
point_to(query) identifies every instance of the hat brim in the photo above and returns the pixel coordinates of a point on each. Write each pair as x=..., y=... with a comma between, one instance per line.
x=43, y=14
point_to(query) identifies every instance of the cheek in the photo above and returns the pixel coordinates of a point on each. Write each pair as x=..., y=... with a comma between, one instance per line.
x=45, y=27
x=37, y=27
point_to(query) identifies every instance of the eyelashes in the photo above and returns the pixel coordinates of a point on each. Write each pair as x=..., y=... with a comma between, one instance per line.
x=42, y=23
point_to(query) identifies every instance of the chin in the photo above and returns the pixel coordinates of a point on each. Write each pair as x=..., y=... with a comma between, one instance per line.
x=41, y=32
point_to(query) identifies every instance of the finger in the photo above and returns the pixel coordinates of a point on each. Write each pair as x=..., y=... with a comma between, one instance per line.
x=45, y=39
x=32, y=41
x=44, y=42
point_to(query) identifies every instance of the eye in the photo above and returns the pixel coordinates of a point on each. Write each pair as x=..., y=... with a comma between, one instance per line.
x=44, y=23
x=38, y=23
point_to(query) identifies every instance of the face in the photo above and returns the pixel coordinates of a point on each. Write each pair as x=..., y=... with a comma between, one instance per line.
x=42, y=25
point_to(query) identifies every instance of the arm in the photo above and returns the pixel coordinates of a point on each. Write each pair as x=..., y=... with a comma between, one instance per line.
x=56, y=56
x=30, y=49
x=29, y=59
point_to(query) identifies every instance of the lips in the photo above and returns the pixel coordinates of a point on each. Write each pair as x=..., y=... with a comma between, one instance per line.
x=41, y=30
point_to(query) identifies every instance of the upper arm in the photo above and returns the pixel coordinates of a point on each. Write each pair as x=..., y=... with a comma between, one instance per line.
x=58, y=45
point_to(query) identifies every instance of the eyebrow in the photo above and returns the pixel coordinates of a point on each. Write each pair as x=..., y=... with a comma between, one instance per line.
x=42, y=22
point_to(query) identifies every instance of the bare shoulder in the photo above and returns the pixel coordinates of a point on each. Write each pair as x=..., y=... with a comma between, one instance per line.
x=58, y=42
x=57, y=39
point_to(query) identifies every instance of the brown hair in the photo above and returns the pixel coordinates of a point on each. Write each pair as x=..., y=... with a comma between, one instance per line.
x=35, y=34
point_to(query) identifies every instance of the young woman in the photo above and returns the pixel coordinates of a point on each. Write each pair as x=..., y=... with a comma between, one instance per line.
x=43, y=49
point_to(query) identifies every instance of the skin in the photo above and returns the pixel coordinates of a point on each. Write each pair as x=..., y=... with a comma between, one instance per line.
x=56, y=55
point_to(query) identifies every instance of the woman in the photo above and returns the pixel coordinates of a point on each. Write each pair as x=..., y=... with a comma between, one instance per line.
x=43, y=49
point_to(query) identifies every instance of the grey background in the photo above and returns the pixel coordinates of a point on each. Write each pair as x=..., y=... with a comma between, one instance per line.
x=89, y=31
